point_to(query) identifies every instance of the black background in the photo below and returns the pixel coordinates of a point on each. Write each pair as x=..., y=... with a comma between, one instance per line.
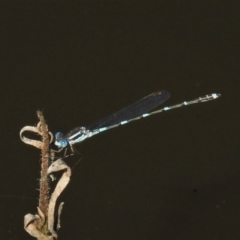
x=171, y=176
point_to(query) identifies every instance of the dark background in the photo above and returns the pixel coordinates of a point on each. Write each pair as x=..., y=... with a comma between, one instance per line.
x=171, y=176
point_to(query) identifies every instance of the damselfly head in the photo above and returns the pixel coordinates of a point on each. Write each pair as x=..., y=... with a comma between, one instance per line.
x=59, y=141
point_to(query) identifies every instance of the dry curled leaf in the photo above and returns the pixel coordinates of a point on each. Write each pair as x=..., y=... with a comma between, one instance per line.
x=30, y=225
x=56, y=166
x=35, y=143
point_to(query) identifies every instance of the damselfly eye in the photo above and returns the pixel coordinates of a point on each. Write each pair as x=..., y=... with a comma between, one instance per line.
x=63, y=143
x=58, y=135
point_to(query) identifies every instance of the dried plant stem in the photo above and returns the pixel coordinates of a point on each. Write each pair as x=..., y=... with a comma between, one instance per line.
x=43, y=225
x=44, y=185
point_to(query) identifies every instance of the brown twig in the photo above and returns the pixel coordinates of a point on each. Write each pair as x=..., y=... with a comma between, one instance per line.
x=42, y=225
x=44, y=185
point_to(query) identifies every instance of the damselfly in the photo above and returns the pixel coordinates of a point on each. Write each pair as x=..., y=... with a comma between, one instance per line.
x=135, y=111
